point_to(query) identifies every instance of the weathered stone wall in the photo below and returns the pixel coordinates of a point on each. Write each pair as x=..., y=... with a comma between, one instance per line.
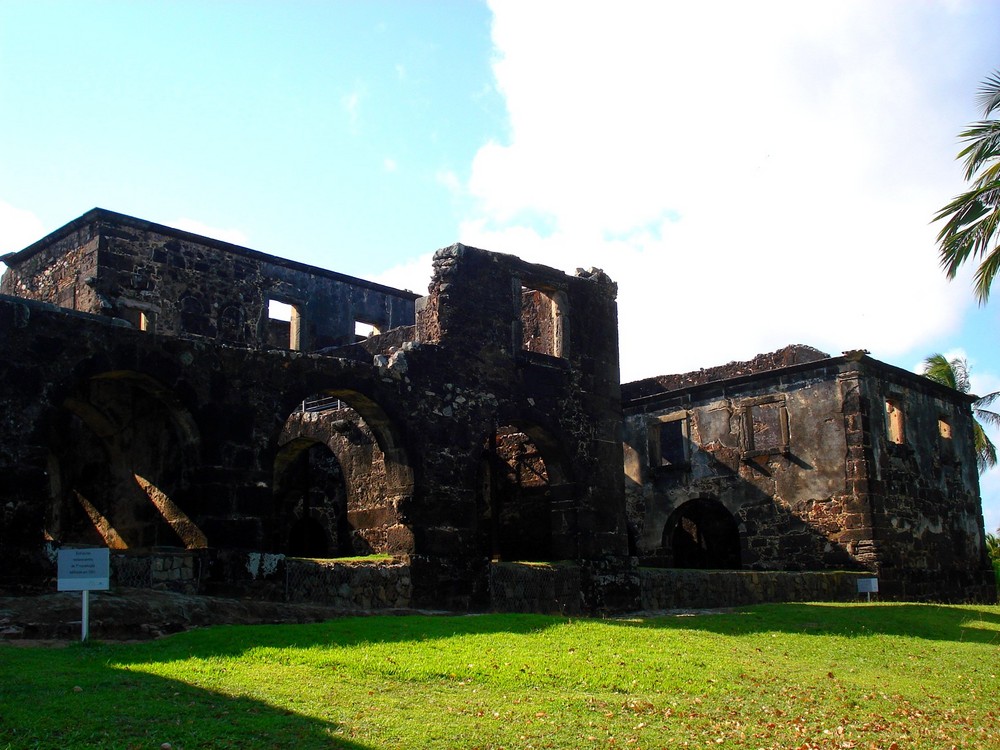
x=186, y=285
x=556, y=587
x=536, y=587
x=794, y=469
x=687, y=589
x=63, y=273
x=351, y=586
x=926, y=511
x=114, y=436
x=790, y=502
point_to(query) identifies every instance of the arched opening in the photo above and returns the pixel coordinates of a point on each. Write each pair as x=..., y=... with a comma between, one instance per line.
x=702, y=533
x=120, y=448
x=523, y=496
x=374, y=482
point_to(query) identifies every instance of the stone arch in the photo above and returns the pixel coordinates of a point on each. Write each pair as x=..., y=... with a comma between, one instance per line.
x=375, y=471
x=702, y=533
x=121, y=447
x=525, y=498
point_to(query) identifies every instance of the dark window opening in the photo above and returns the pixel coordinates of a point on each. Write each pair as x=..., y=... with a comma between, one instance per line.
x=193, y=317
x=702, y=534
x=668, y=444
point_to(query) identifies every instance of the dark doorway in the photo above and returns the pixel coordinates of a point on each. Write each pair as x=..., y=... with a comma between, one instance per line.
x=309, y=489
x=702, y=533
x=515, y=514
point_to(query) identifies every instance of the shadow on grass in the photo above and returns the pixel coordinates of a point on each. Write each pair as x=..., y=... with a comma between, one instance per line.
x=80, y=699
x=964, y=623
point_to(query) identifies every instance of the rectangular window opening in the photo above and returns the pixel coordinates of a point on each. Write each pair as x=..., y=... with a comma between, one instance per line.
x=668, y=444
x=894, y=420
x=284, y=324
x=543, y=321
x=364, y=330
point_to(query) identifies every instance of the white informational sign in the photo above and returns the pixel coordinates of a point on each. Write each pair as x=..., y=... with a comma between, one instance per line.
x=84, y=569
x=868, y=585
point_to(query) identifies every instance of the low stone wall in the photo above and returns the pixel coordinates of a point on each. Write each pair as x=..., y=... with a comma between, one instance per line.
x=686, y=589
x=549, y=588
x=349, y=585
x=556, y=588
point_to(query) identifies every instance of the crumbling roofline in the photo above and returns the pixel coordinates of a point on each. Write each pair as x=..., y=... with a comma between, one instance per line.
x=102, y=214
x=863, y=361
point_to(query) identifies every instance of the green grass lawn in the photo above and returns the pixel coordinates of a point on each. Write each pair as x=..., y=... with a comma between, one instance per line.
x=775, y=676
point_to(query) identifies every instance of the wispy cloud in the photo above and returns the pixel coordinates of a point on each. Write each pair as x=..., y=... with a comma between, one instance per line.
x=751, y=175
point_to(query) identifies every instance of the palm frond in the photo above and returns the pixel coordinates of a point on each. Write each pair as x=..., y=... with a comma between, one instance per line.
x=983, y=401
x=989, y=93
x=939, y=369
x=986, y=452
x=972, y=219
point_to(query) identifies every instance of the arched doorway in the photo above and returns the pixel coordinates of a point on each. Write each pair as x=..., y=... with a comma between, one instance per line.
x=524, y=498
x=121, y=446
x=373, y=477
x=702, y=533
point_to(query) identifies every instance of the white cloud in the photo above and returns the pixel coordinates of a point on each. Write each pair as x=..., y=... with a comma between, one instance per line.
x=752, y=175
x=18, y=228
x=389, y=165
x=413, y=275
x=235, y=236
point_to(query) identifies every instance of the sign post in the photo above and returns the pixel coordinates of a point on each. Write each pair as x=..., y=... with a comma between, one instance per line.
x=84, y=570
x=868, y=586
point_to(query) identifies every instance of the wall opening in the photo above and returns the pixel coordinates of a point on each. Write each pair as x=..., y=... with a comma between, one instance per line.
x=543, y=321
x=669, y=445
x=284, y=324
x=141, y=320
x=895, y=422
x=702, y=533
x=373, y=477
x=523, y=496
x=365, y=330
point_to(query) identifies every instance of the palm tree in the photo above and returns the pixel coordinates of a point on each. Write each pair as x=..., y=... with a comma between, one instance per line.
x=955, y=374
x=973, y=218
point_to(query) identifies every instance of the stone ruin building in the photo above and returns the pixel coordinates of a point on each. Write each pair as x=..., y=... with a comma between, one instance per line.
x=228, y=421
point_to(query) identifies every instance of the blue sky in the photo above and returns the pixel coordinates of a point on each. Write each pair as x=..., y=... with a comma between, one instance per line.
x=752, y=174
